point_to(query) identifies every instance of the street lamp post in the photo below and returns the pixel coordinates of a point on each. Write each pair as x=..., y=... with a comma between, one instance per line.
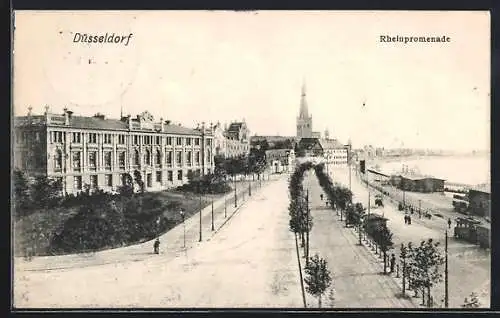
x=235, y=194
x=249, y=188
x=212, y=204
x=184, y=226
x=200, y=218
x=446, y=270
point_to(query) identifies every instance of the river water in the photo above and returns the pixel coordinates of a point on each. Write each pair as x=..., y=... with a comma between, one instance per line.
x=469, y=170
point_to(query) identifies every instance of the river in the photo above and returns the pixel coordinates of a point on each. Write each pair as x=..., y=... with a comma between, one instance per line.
x=467, y=170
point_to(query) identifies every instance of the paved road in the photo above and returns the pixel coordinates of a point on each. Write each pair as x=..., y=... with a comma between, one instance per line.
x=357, y=275
x=469, y=266
x=249, y=262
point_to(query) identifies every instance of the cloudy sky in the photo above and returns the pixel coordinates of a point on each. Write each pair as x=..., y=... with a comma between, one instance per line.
x=223, y=66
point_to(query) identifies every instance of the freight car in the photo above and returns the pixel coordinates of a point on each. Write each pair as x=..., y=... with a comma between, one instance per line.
x=472, y=231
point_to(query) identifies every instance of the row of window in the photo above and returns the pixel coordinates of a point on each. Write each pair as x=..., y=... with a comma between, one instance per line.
x=76, y=137
x=108, y=179
x=25, y=136
x=147, y=159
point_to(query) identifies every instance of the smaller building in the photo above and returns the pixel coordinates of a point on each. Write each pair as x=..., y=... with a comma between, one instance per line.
x=330, y=149
x=417, y=183
x=280, y=160
x=479, y=201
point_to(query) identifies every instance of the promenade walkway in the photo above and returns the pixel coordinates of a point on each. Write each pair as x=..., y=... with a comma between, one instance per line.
x=357, y=273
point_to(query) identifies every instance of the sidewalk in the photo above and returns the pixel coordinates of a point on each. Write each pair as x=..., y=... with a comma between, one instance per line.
x=357, y=274
x=171, y=242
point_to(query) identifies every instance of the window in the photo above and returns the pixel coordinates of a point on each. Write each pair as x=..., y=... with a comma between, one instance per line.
x=107, y=160
x=169, y=158
x=170, y=176
x=107, y=138
x=76, y=161
x=108, y=180
x=147, y=157
x=209, y=142
x=209, y=157
x=77, y=137
x=169, y=141
x=158, y=157
x=136, y=157
x=179, y=141
x=147, y=140
x=93, y=181
x=57, y=136
x=93, y=138
x=77, y=183
x=121, y=159
x=92, y=160
x=188, y=141
x=197, y=158
x=179, y=175
x=188, y=158
x=197, y=141
x=136, y=140
x=178, y=158
x=158, y=176
x=58, y=160
x=121, y=139
x=158, y=140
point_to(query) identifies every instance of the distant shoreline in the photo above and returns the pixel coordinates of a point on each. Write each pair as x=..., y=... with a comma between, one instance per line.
x=452, y=186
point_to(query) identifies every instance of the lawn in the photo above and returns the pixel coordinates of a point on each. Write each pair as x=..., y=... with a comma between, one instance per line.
x=44, y=222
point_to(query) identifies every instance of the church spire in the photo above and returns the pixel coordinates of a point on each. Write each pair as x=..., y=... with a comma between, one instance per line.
x=304, y=112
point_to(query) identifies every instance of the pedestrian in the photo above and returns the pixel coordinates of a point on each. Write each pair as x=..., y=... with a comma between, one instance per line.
x=393, y=262
x=449, y=223
x=157, y=246
x=321, y=196
x=406, y=219
x=409, y=220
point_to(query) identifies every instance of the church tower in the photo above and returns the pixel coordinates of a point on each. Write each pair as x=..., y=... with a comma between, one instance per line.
x=304, y=121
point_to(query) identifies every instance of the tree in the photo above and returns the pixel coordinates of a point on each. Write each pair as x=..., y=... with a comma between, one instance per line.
x=472, y=301
x=127, y=189
x=139, y=181
x=426, y=263
x=383, y=238
x=22, y=198
x=318, y=277
x=402, y=256
x=45, y=191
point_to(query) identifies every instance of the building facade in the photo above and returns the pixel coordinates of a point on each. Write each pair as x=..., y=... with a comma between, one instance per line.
x=233, y=141
x=98, y=152
x=280, y=160
x=480, y=201
x=329, y=149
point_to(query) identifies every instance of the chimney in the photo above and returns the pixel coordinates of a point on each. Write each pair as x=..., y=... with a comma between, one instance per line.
x=129, y=120
x=47, y=118
x=161, y=124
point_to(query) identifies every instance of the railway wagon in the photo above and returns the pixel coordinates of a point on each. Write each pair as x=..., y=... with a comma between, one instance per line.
x=472, y=231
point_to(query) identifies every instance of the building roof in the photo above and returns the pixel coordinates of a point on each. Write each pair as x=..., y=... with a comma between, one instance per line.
x=82, y=122
x=280, y=152
x=308, y=143
x=235, y=127
x=331, y=144
x=418, y=177
x=377, y=172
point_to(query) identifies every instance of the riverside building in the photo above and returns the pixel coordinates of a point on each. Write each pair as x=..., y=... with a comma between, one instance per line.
x=98, y=152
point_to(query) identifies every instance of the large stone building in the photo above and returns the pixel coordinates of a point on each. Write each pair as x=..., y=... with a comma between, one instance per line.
x=232, y=141
x=98, y=152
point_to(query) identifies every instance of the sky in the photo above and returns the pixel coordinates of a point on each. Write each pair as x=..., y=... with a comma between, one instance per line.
x=226, y=66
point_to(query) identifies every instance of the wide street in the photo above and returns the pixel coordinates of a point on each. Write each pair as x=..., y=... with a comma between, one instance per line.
x=250, y=262
x=469, y=266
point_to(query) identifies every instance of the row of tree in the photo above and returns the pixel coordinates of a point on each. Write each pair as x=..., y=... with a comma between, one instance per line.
x=318, y=277
x=373, y=226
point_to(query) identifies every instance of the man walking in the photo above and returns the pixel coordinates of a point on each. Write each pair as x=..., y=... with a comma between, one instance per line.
x=157, y=246
x=393, y=262
x=449, y=223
